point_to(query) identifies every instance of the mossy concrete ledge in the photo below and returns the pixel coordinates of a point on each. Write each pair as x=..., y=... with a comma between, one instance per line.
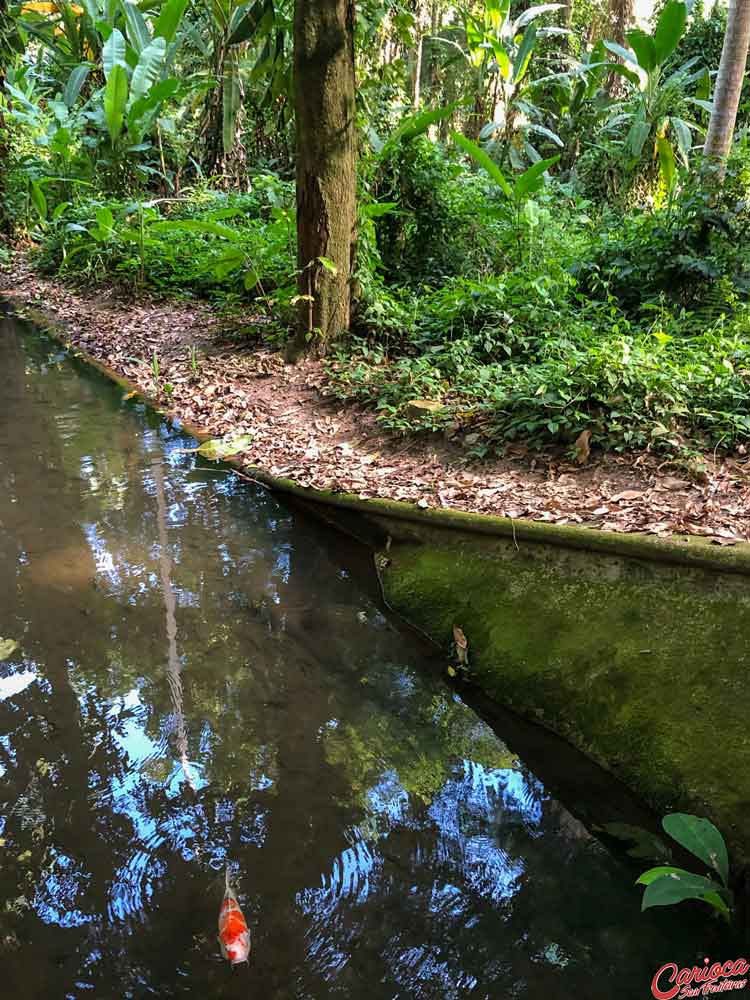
x=641, y=665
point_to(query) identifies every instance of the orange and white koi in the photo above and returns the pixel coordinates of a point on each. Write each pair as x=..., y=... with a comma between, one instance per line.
x=234, y=937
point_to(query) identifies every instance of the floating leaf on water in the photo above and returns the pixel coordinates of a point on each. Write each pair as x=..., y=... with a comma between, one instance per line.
x=129, y=395
x=218, y=448
x=7, y=648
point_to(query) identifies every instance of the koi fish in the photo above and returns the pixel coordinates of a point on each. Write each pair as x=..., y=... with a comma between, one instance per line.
x=234, y=937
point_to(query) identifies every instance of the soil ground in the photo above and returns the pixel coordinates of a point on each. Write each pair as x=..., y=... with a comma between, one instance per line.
x=302, y=433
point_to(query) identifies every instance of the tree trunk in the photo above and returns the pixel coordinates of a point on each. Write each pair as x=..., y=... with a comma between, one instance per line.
x=620, y=20
x=729, y=83
x=326, y=169
x=5, y=223
x=419, y=51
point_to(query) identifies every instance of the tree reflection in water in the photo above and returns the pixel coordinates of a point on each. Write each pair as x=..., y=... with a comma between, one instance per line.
x=386, y=842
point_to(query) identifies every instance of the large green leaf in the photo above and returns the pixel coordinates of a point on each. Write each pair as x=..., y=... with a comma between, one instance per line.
x=38, y=199
x=169, y=18
x=139, y=35
x=159, y=93
x=635, y=140
x=701, y=838
x=677, y=886
x=246, y=19
x=75, y=82
x=659, y=872
x=523, y=56
x=623, y=53
x=148, y=70
x=414, y=125
x=644, y=48
x=533, y=178
x=115, y=99
x=113, y=52
x=669, y=29
x=479, y=155
x=667, y=165
x=531, y=14
x=684, y=136
x=629, y=74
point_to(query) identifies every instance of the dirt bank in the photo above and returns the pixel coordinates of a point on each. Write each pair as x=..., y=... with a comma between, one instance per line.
x=301, y=433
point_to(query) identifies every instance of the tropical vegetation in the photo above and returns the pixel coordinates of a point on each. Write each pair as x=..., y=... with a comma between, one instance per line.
x=536, y=218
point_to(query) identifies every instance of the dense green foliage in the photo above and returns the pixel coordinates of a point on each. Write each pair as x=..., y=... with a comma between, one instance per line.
x=537, y=254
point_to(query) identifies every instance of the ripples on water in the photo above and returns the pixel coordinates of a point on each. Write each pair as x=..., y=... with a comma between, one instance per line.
x=202, y=680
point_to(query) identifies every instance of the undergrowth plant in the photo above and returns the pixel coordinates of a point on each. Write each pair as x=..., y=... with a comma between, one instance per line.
x=667, y=885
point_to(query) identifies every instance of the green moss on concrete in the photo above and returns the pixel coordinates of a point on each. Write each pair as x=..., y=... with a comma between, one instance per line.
x=642, y=666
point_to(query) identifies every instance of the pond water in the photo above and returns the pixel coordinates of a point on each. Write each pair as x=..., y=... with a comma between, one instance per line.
x=204, y=678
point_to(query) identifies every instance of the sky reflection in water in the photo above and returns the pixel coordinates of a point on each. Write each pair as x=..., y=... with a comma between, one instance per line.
x=384, y=841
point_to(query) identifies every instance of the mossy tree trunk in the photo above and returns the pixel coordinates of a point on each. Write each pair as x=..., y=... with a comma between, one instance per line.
x=4, y=140
x=728, y=83
x=326, y=170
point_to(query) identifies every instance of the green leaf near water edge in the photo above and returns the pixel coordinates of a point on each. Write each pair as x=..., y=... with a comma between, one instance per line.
x=7, y=648
x=701, y=838
x=218, y=448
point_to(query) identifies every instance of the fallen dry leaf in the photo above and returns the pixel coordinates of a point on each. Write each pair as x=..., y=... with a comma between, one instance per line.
x=302, y=431
x=627, y=495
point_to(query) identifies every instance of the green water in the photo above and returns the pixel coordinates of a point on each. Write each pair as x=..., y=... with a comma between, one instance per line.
x=204, y=679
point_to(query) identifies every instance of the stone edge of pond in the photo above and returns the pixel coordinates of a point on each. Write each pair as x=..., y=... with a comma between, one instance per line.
x=682, y=550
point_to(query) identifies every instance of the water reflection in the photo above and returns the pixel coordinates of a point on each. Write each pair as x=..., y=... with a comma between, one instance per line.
x=200, y=682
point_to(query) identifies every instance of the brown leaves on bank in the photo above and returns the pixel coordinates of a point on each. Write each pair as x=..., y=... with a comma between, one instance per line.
x=291, y=428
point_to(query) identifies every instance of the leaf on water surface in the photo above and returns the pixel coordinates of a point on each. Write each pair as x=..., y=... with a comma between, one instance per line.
x=218, y=448
x=583, y=447
x=7, y=648
x=129, y=395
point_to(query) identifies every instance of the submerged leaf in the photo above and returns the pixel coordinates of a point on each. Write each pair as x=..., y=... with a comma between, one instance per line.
x=644, y=844
x=218, y=448
x=7, y=648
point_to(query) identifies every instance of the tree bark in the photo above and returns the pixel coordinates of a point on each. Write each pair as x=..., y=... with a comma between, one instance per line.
x=326, y=170
x=620, y=20
x=729, y=83
x=5, y=223
x=418, y=56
